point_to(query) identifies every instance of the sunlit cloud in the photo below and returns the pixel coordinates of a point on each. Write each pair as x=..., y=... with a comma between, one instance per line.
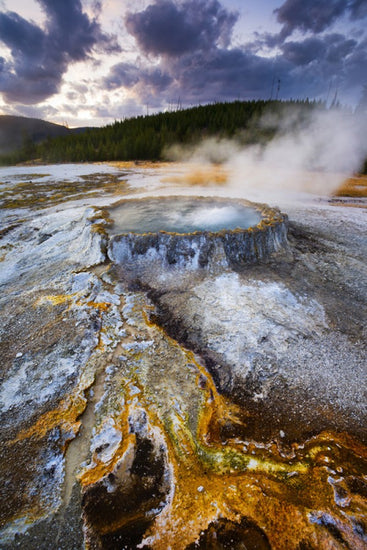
x=146, y=55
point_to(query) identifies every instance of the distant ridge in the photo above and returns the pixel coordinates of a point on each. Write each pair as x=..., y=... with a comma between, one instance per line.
x=16, y=130
x=155, y=137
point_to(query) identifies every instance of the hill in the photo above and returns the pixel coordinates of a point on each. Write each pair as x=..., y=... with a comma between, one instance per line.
x=15, y=131
x=149, y=137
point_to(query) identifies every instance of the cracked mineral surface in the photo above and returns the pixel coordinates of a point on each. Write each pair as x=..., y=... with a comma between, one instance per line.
x=150, y=401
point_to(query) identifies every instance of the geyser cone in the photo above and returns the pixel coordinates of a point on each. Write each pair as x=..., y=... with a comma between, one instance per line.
x=194, y=232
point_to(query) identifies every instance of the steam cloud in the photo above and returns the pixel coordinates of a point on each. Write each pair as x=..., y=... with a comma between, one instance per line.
x=314, y=156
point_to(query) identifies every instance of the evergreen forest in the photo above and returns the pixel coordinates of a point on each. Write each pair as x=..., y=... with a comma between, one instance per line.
x=150, y=137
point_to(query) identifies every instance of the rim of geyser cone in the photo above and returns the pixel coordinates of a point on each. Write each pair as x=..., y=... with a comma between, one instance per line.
x=270, y=216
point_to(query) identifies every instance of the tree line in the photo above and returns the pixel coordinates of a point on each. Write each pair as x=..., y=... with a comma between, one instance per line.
x=149, y=137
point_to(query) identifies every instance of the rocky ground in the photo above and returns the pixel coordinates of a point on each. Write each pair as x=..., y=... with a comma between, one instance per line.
x=290, y=342
x=181, y=408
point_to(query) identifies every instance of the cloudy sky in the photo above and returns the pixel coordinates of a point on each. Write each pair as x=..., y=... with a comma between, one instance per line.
x=89, y=62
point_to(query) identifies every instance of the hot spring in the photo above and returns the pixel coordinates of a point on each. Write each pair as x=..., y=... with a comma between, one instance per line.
x=193, y=232
x=182, y=215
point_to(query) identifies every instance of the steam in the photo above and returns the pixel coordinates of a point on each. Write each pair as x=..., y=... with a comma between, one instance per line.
x=314, y=155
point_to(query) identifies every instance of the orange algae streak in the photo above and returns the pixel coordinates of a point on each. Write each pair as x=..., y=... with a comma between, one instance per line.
x=201, y=434
x=276, y=493
x=216, y=409
x=59, y=299
x=307, y=496
x=281, y=508
x=353, y=187
x=65, y=417
x=100, y=468
x=200, y=176
x=71, y=408
x=101, y=306
x=56, y=299
x=127, y=164
x=74, y=300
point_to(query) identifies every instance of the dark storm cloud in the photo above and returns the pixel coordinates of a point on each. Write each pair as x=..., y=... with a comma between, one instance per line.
x=191, y=39
x=321, y=58
x=332, y=48
x=302, y=53
x=341, y=65
x=128, y=75
x=69, y=29
x=355, y=66
x=339, y=48
x=172, y=29
x=221, y=74
x=40, y=56
x=122, y=74
x=313, y=15
x=18, y=34
x=196, y=62
x=316, y=15
x=227, y=74
x=358, y=9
